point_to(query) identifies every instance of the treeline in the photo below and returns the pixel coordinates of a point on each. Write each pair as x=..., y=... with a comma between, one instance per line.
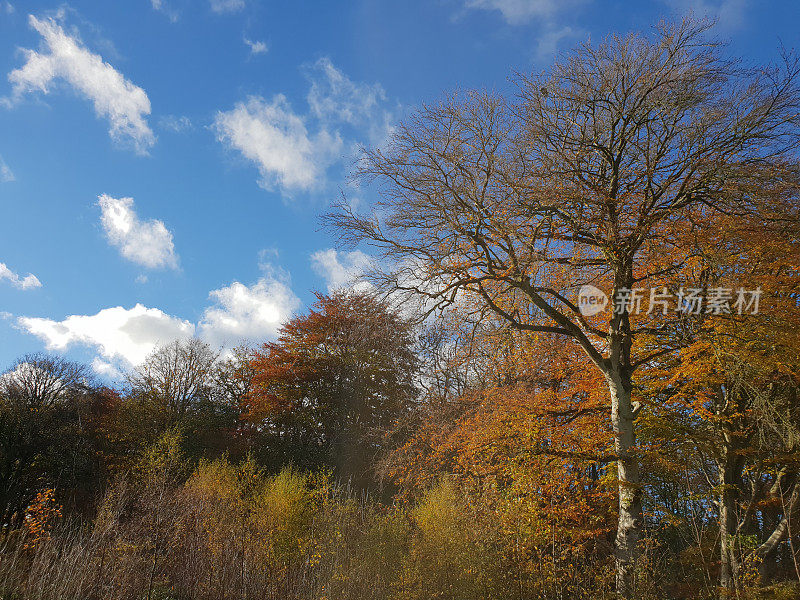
x=323, y=397
x=272, y=473
x=362, y=456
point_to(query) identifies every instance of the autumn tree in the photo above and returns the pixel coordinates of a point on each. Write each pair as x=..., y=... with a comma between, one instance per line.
x=175, y=377
x=41, y=380
x=335, y=380
x=593, y=175
x=732, y=390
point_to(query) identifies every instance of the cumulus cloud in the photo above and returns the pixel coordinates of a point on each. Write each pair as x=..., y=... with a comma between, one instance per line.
x=294, y=151
x=277, y=140
x=148, y=243
x=256, y=47
x=226, y=6
x=247, y=313
x=64, y=57
x=124, y=337
x=117, y=333
x=341, y=269
x=106, y=369
x=28, y=282
x=6, y=175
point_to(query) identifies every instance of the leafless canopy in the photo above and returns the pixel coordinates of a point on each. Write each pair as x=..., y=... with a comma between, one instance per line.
x=592, y=166
x=176, y=376
x=41, y=380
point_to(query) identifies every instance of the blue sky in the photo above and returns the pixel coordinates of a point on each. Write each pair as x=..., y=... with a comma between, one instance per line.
x=163, y=162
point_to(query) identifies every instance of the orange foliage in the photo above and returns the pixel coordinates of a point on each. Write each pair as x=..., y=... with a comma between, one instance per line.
x=40, y=517
x=541, y=440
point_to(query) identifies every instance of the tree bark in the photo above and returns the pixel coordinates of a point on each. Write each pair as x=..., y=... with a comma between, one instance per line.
x=629, y=523
x=618, y=371
x=766, y=550
x=728, y=523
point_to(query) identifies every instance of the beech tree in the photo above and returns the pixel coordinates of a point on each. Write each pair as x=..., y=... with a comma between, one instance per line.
x=596, y=173
x=337, y=378
x=176, y=377
x=186, y=384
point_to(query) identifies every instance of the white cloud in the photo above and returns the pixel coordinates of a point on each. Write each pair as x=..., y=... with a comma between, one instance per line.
x=547, y=14
x=517, y=12
x=28, y=282
x=275, y=138
x=6, y=175
x=256, y=47
x=117, y=333
x=124, y=104
x=341, y=269
x=106, y=369
x=124, y=337
x=549, y=39
x=148, y=243
x=249, y=313
x=226, y=6
x=294, y=151
x=335, y=98
x=729, y=14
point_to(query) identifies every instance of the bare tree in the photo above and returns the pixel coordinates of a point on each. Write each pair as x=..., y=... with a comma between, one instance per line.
x=41, y=380
x=597, y=173
x=176, y=376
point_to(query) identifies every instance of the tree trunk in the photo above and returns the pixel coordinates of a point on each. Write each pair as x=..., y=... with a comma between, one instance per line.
x=767, y=550
x=727, y=532
x=630, y=493
x=618, y=371
x=729, y=468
